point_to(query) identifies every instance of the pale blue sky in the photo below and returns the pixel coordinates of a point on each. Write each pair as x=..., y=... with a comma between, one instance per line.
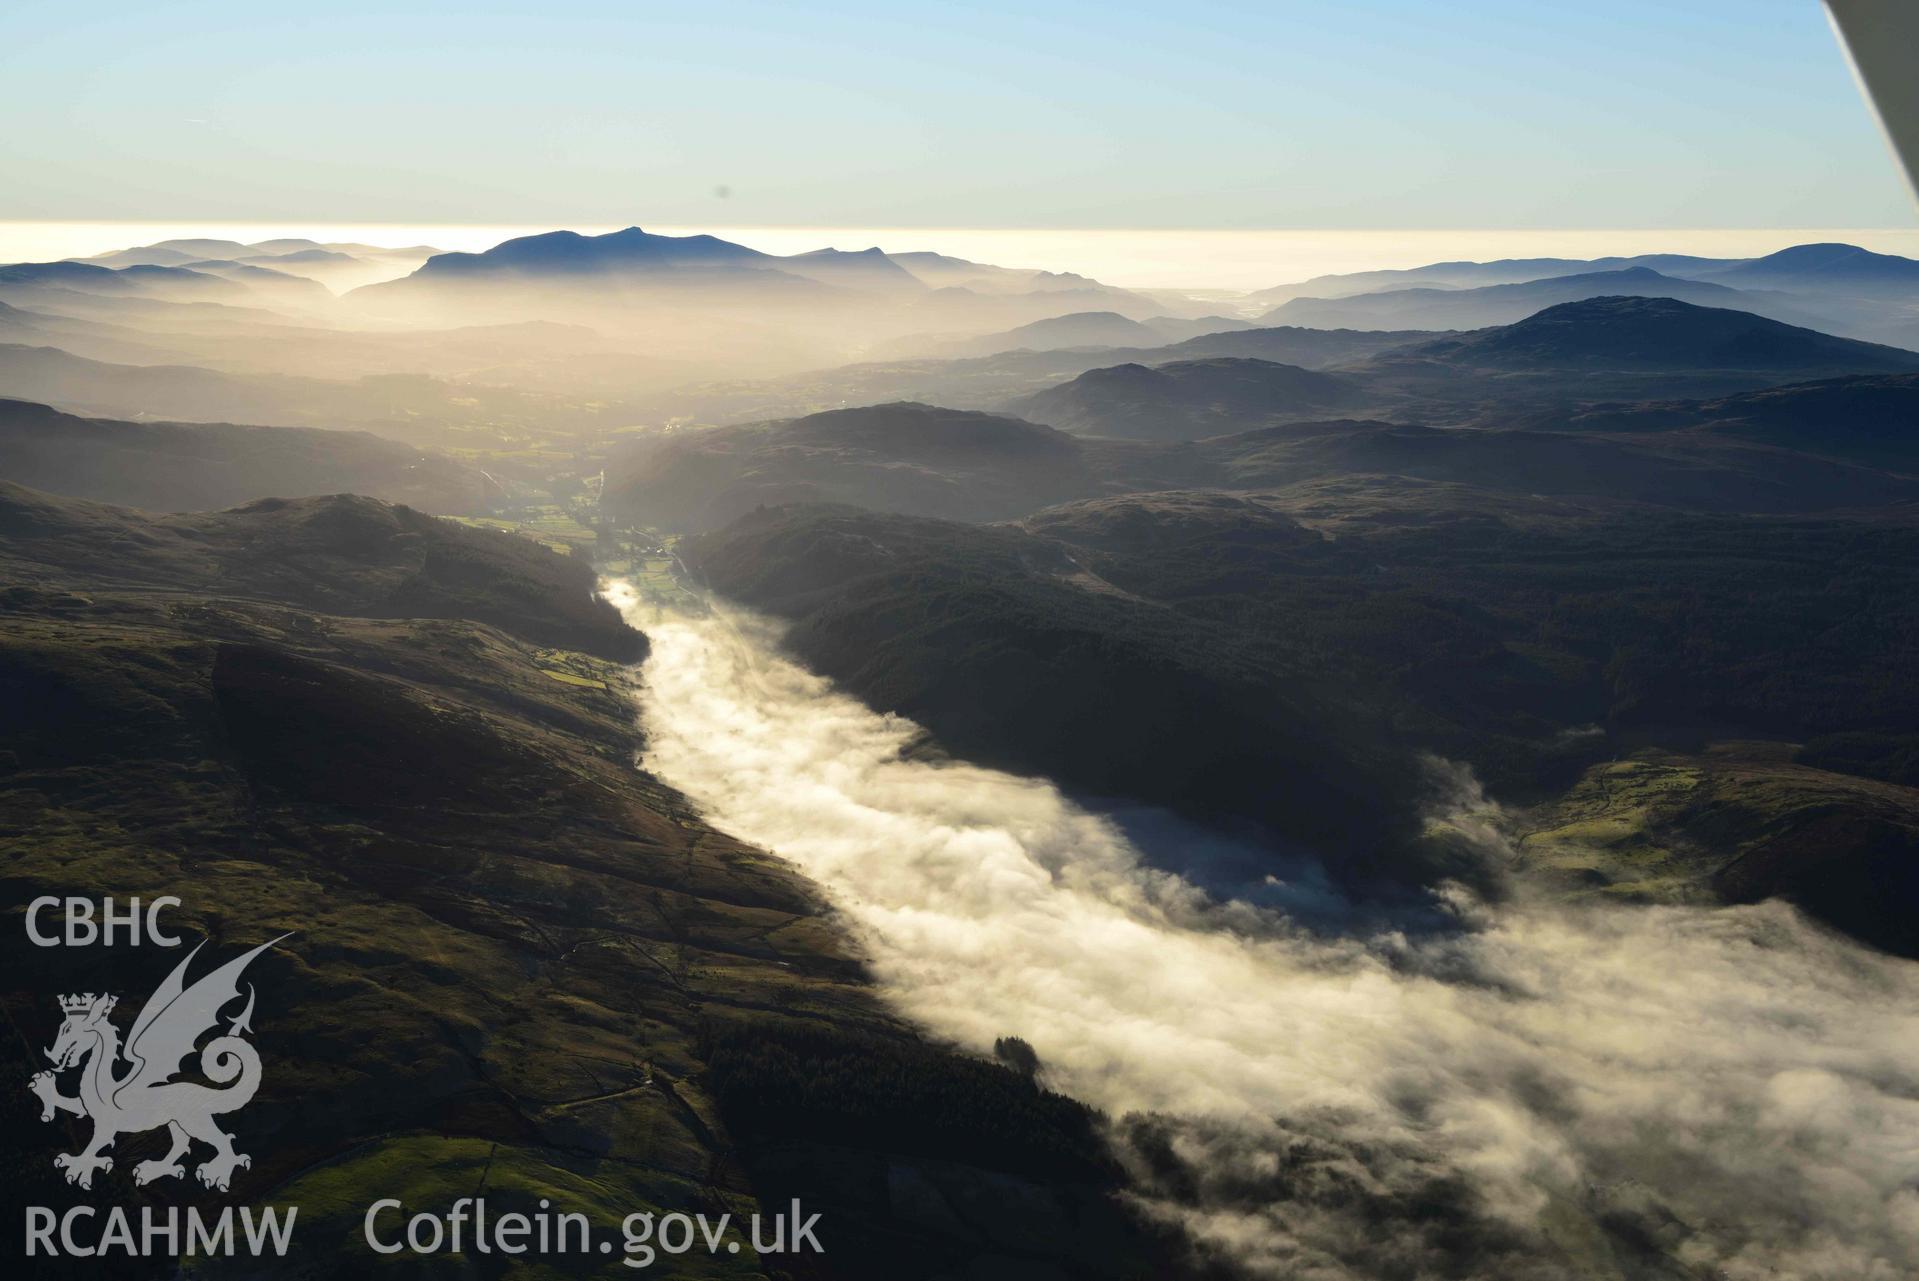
x=1202, y=113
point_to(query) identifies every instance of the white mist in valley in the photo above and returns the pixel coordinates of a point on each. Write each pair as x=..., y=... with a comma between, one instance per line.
x=1637, y=1092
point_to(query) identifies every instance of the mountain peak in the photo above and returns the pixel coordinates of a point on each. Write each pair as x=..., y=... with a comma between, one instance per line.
x=1636, y=331
x=871, y=251
x=570, y=251
x=1820, y=252
x=1826, y=264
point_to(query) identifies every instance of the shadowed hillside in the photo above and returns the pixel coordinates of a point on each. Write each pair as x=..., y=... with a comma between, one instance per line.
x=197, y=466
x=1191, y=649
x=1866, y=419
x=921, y=460
x=903, y=457
x=516, y=962
x=339, y=554
x=1188, y=399
x=409, y=407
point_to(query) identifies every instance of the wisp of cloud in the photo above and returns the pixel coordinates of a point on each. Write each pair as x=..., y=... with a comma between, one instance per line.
x=1542, y=1092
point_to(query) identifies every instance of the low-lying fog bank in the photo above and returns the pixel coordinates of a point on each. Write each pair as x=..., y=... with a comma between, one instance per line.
x=1641, y=1092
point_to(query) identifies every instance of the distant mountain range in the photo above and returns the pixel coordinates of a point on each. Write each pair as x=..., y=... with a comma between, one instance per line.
x=1638, y=334
x=337, y=265
x=635, y=255
x=656, y=313
x=1836, y=287
x=568, y=252
x=175, y=282
x=1477, y=308
x=1617, y=348
x=991, y=382
x=218, y=280
x=631, y=254
x=76, y=335
x=1823, y=267
x=663, y=310
x=701, y=271
x=1054, y=333
x=943, y=271
x=1594, y=349
x=283, y=287
x=1476, y=275
x=1060, y=333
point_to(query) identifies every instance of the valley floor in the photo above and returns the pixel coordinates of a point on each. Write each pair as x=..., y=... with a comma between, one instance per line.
x=1537, y=1089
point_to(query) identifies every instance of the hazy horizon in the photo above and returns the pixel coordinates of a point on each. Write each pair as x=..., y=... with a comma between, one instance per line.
x=1160, y=258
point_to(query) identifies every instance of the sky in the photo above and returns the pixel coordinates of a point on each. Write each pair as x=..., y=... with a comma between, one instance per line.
x=1208, y=114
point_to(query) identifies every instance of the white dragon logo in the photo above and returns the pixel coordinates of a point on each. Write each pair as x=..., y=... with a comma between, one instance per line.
x=144, y=1097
